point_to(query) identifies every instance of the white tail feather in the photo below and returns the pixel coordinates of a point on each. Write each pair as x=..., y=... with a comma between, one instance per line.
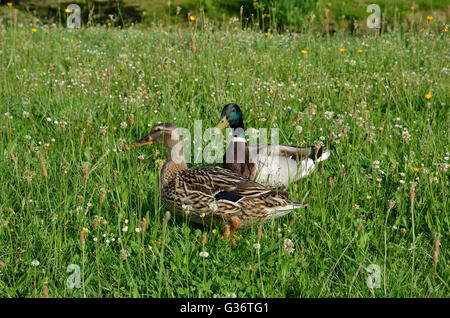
x=283, y=210
x=324, y=156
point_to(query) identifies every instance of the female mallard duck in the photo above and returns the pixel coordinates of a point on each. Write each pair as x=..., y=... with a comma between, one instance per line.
x=274, y=165
x=212, y=194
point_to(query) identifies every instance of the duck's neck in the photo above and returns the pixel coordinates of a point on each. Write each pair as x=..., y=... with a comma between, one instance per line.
x=174, y=165
x=237, y=152
x=239, y=131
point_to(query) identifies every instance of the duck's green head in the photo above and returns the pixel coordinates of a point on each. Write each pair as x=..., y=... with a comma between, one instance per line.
x=231, y=116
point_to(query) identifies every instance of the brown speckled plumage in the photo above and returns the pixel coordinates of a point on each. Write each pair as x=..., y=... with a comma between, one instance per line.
x=211, y=194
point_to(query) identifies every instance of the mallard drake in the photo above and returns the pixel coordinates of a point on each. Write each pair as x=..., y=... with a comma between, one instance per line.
x=212, y=194
x=270, y=164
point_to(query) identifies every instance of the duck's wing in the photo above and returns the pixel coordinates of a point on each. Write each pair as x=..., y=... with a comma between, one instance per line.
x=317, y=154
x=213, y=180
x=234, y=195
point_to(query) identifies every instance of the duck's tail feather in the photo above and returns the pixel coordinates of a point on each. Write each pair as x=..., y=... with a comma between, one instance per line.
x=283, y=210
x=318, y=155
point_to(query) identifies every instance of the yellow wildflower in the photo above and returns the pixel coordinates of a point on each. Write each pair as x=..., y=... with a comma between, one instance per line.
x=416, y=170
x=428, y=96
x=342, y=49
x=429, y=18
x=360, y=51
x=413, y=8
x=67, y=10
x=445, y=30
x=33, y=30
x=192, y=18
x=304, y=52
x=9, y=4
x=267, y=34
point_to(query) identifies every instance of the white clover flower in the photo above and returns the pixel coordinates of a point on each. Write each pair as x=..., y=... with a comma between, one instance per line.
x=141, y=157
x=376, y=165
x=213, y=207
x=123, y=125
x=288, y=246
x=137, y=230
x=406, y=136
x=124, y=253
x=26, y=114
x=204, y=254
x=328, y=114
x=35, y=263
x=125, y=229
x=257, y=246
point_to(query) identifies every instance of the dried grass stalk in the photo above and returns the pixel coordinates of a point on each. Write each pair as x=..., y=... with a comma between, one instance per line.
x=41, y=162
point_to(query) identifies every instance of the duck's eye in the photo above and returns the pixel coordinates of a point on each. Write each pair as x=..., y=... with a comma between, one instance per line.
x=233, y=110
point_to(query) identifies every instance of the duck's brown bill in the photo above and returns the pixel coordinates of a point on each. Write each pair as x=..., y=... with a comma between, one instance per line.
x=147, y=140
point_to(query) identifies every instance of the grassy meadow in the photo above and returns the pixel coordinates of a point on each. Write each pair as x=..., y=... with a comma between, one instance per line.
x=73, y=192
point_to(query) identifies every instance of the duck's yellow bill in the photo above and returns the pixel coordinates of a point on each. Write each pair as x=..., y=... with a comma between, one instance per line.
x=147, y=140
x=223, y=123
